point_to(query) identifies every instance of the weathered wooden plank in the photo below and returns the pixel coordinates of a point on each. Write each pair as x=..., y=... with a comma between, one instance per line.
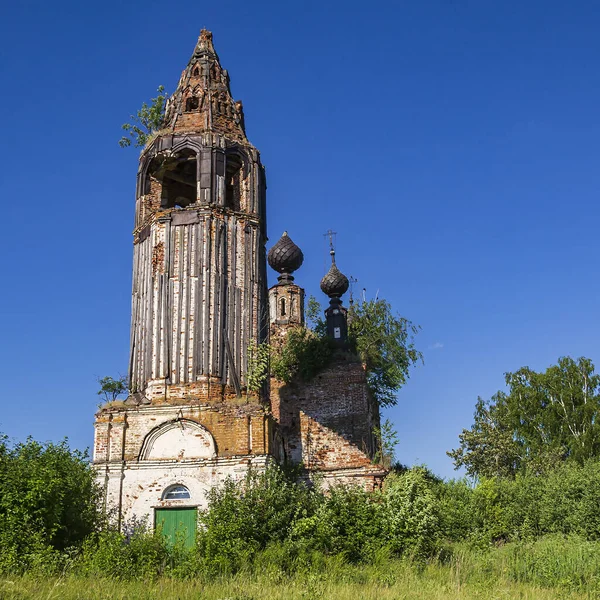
x=185, y=217
x=176, y=325
x=199, y=318
x=208, y=278
x=215, y=322
x=222, y=304
x=232, y=324
x=188, y=305
x=149, y=316
x=232, y=366
x=168, y=328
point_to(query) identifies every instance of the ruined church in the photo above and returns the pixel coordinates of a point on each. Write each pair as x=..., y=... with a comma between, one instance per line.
x=200, y=303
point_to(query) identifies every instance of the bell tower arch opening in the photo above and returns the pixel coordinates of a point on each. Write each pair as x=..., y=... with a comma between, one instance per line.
x=177, y=175
x=234, y=173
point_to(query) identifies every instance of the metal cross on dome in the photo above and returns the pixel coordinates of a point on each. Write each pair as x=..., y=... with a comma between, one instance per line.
x=331, y=235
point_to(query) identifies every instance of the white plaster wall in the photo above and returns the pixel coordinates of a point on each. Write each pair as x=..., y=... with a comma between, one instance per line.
x=178, y=440
x=142, y=484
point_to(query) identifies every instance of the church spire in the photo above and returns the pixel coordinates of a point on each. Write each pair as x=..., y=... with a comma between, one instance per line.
x=202, y=101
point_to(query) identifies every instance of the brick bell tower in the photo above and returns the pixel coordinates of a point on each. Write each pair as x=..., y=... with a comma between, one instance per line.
x=199, y=298
x=199, y=274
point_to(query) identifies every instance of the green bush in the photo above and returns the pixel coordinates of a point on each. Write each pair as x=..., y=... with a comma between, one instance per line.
x=411, y=517
x=455, y=503
x=545, y=528
x=564, y=501
x=48, y=504
x=570, y=500
x=245, y=517
x=303, y=354
x=348, y=521
x=112, y=554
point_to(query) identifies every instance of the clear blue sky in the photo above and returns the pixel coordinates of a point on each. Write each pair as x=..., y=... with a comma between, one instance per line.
x=453, y=145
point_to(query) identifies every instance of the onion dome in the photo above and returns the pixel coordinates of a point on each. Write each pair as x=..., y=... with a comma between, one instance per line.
x=335, y=283
x=285, y=257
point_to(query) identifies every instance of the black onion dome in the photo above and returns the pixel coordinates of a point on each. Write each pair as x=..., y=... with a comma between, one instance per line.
x=285, y=256
x=335, y=283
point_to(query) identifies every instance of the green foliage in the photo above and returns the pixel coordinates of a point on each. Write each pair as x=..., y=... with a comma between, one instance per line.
x=387, y=440
x=303, y=354
x=48, y=503
x=245, y=518
x=455, y=499
x=111, y=389
x=554, y=568
x=314, y=314
x=382, y=340
x=135, y=553
x=544, y=418
x=348, y=521
x=544, y=529
x=272, y=515
x=411, y=514
x=258, y=365
x=147, y=120
x=385, y=343
x=562, y=501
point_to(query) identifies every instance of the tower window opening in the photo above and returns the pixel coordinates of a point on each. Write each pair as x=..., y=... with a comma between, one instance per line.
x=196, y=72
x=176, y=492
x=282, y=303
x=192, y=103
x=177, y=175
x=233, y=181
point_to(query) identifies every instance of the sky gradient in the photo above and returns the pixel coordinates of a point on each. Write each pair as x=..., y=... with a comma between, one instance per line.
x=453, y=145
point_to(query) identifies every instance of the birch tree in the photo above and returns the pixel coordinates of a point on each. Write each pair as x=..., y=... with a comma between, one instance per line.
x=543, y=419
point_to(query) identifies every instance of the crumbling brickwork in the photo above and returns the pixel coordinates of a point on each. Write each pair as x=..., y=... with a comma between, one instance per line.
x=199, y=300
x=140, y=451
x=327, y=423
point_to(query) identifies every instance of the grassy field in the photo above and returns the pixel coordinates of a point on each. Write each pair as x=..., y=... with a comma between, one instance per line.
x=392, y=581
x=554, y=567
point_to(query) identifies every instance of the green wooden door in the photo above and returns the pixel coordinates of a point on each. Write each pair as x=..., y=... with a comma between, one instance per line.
x=177, y=524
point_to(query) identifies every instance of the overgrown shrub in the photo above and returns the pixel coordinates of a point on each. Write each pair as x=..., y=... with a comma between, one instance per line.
x=49, y=523
x=411, y=516
x=348, y=521
x=245, y=517
x=455, y=501
x=48, y=503
x=565, y=500
x=303, y=355
x=142, y=555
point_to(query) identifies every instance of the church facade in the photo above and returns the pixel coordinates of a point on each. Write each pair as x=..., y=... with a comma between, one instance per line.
x=199, y=304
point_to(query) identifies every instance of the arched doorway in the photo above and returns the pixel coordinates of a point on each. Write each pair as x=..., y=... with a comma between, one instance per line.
x=177, y=522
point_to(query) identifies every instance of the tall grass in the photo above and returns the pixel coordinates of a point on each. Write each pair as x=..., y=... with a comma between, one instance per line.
x=550, y=568
x=564, y=563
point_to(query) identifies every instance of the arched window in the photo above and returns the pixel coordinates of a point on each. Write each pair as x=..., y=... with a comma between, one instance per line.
x=176, y=492
x=192, y=103
x=233, y=181
x=177, y=176
x=195, y=72
x=282, y=303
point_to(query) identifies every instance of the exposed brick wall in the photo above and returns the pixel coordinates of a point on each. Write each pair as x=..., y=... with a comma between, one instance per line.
x=241, y=429
x=199, y=298
x=327, y=423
